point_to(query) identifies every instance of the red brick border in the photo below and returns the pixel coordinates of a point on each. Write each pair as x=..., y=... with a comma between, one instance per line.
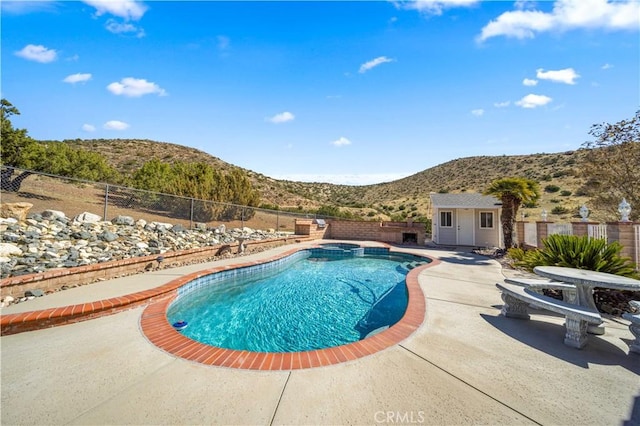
x=161, y=333
x=157, y=329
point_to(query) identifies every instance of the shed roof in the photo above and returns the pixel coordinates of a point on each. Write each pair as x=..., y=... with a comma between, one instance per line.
x=465, y=200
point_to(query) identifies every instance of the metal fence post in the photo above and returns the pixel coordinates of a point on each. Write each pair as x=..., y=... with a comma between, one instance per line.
x=191, y=216
x=106, y=201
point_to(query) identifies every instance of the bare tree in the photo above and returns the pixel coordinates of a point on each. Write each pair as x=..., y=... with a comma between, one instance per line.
x=612, y=166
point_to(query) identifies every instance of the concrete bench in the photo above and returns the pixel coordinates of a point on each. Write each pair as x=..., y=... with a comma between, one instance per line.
x=517, y=298
x=634, y=327
x=569, y=291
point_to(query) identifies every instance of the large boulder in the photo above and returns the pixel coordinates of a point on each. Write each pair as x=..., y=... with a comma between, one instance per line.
x=53, y=214
x=7, y=249
x=16, y=211
x=123, y=220
x=87, y=217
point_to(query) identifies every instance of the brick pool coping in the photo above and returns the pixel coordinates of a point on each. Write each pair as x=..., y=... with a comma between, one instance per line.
x=156, y=327
x=160, y=332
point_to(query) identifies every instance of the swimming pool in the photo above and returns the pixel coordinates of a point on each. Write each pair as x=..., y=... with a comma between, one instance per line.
x=158, y=329
x=314, y=299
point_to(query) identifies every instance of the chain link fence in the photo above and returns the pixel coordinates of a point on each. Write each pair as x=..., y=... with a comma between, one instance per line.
x=75, y=196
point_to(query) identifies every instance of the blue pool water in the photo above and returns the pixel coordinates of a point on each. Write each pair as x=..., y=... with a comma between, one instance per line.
x=315, y=301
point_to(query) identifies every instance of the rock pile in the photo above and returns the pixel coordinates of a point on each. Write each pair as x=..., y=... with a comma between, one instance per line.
x=52, y=240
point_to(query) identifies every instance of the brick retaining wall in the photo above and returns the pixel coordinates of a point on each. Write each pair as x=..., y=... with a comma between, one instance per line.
x=54, y=279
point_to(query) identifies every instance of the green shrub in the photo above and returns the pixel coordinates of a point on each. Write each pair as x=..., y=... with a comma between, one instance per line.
x=579, y=252
x=565, y=193
x=551, y=188
x=559, y=210
x=516, y=254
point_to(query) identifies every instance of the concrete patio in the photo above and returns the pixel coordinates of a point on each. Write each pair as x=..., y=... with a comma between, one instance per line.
x=464, y=365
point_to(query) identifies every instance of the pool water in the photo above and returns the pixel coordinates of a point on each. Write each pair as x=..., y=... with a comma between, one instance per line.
x=311, y=303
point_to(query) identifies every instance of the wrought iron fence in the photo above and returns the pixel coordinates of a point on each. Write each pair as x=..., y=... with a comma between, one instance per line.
x=75, y=196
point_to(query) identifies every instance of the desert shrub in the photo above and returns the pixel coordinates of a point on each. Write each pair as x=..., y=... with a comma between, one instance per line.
x=559, y=210
x=551, y=188
x=565, y=193
x=579, y=252
x=225, y=194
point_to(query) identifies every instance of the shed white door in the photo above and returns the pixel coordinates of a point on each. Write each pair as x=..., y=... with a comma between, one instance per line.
x=465, y=227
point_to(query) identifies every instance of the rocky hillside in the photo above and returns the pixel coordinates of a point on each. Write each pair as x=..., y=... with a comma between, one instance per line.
x=559, y=173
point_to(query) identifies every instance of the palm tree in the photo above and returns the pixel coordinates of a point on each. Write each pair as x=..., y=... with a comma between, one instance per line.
x=512, y=192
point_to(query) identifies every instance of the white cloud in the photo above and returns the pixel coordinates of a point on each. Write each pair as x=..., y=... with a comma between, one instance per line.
x=606, y=66
x=566, y=15
x=529, y=82
x=374, y=63
x=135, y=87
x=123, y=28
x=125, y=9
x=433, y=7
x=477, y=112
x=89, y=127
x=567, y=75
x=116, y=125
x=77, y=78
x=502, y=104
x=282, y=117
x=223, y=42
x=344, y=179
x=38, y=53
x=341, y=142
x=533, y=101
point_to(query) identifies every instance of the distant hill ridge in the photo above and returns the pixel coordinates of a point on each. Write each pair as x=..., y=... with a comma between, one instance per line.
x=401, y=198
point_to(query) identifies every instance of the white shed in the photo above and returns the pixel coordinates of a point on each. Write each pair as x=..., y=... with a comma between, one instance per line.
x=466, y=219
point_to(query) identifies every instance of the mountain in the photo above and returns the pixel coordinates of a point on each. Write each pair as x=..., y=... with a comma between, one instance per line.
x=557, y=173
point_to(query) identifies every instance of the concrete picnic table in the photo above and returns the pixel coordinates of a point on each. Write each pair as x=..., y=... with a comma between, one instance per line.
x=585, y=281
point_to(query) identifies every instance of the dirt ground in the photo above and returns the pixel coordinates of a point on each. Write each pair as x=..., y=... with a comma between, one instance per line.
x=74, y=198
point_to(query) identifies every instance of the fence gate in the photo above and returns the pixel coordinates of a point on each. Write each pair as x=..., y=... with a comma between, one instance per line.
x=636, y=242
x=531, y=234
x=597, y=231
x=559, y=228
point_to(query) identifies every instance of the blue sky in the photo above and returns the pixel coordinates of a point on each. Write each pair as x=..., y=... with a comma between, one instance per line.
x=341, y=92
